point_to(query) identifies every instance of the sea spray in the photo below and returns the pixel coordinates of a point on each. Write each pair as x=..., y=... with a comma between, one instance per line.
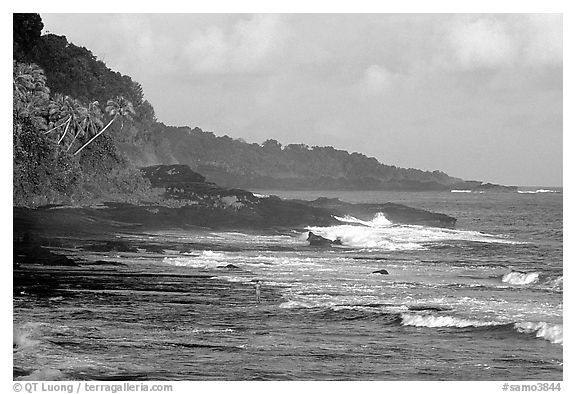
x=380, y=233
x=432, y=321
x=520, y=278
x=551, y=332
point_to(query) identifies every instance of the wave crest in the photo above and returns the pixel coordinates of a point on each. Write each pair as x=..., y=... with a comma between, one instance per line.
x=379, y=220
x=551, y=332
x=208, y=259
x=537, y=191
x=520, y=278
x=380, y=233
x=431, y=321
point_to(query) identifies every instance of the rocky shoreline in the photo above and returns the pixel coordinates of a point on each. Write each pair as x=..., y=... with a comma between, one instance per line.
x=45, y=236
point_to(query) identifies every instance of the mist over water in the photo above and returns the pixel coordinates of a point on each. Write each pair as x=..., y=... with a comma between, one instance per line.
x=482, y=301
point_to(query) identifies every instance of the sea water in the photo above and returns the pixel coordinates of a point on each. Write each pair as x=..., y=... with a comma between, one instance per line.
x=482, y=301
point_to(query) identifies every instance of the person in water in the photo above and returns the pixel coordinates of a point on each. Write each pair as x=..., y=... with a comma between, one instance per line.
x=257, y=291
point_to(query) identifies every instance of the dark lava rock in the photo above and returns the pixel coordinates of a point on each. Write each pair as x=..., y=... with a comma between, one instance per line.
x=104, y=262
x=427, y=308
x=317, y=240
x=191, y=202
x=383, y=272
x=112, y=246
x=153, y=248
x=165, y=175
x=396, y=213
x=28, y=250
x=229, y=266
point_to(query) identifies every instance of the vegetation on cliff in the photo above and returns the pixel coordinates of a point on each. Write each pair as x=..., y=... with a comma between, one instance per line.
x=60, y=153
x=81, y=129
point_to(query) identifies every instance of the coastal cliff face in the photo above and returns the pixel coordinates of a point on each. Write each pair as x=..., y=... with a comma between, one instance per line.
x=180, y=183
x=47, y=170
x=270, y=165
x=185, y=200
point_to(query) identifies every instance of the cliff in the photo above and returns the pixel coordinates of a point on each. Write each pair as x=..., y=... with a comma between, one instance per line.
x=86, y=83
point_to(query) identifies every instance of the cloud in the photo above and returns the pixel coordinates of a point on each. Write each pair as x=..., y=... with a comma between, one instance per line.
x=543, y=41
x=376, y=79
x=396, y=86
x=499, y=41
x=248, y=46
x=482, y=43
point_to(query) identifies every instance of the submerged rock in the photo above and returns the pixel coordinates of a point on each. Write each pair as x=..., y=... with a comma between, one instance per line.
x=154, y=249
x=112, y=246
x=229, y=266
x=395, y=213
x=317, y=240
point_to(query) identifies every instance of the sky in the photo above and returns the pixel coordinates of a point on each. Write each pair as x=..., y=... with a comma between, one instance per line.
x=478, y=96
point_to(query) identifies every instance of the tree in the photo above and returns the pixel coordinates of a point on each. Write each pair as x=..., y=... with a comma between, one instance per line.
x=26, y=29
x=67, y=112
x=28, y=79
x=30, y=93
x=117, y=108
x=90, y=123
x=271, y=145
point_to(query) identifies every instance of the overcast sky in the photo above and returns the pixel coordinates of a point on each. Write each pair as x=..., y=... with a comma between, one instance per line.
x=476, y=96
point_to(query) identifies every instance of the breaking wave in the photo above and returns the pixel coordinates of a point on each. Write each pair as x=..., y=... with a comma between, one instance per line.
x=380, y=233
x=556, y=284
x=520, y=278
x=417, y=320
x=378, y=221
x=24, y=336
x=537, y=191
x=551, y=332
x=208, y=259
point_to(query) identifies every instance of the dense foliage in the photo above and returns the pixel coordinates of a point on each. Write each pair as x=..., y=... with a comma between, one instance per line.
x=60, y=153
x=82, y=86
x=235, y=163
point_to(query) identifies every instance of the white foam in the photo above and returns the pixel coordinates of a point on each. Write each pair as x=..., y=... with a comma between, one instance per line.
x=556, y=283
x=208, y=259
x=461, y=191
x=212, y=330
x=43, y=374
x=519, y=278
x=536, y=191
x=380, y=233
x=365, y=237
x=431, y=321
x=379, y=220
x=551, y=332
x=23, y=335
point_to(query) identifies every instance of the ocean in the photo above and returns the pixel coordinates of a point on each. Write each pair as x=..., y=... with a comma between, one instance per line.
x=482, y=301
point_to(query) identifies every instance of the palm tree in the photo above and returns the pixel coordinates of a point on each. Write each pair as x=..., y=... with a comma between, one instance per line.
x=58, y=112
x=30, y=93
x=29, y=79
x=65, y=111
x=91, y=122
x=117, y=108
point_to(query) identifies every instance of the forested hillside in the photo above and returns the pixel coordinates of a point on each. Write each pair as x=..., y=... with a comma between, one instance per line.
x=63, y=149
x=236, y=163
x=72, y=98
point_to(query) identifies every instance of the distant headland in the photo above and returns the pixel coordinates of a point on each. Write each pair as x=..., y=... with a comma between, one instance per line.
x=81, y=131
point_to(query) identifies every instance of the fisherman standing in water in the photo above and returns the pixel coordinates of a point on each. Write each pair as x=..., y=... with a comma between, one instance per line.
x=258, y=291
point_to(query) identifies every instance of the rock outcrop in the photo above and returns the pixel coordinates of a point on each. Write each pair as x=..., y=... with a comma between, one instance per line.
x=317, y=240
x=187, y=201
